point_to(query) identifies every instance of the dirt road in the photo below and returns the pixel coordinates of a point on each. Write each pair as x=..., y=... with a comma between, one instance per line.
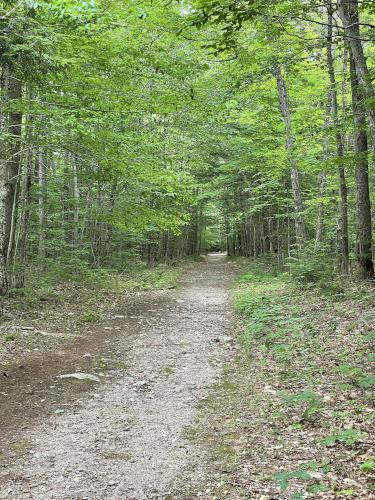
x=126, y=437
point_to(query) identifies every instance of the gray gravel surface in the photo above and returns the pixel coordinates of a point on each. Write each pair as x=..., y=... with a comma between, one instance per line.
x=126, y=438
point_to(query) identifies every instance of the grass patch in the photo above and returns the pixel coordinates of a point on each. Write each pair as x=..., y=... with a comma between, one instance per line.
x=159, y=277
x=90, y=316
x=10, y=337
x=169, y=370
x=47, y=289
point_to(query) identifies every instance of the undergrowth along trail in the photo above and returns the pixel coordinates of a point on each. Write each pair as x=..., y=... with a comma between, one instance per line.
x=293, y=417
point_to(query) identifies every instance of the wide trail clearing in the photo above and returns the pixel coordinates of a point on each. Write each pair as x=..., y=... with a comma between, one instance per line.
x=125, y=438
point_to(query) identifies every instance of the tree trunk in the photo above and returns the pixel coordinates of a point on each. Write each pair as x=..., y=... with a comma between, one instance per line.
x=348, y=12
x=343, y=249
x=21, y=241
x=322, y=180
x=42, y=199
x=364, y=225
x=76, y=196
x=289, y=144
x=9, y=171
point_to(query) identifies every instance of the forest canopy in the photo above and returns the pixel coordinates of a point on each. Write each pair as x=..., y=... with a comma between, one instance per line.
x=155, y=130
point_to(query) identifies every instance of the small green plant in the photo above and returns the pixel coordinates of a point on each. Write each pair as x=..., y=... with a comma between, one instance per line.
x=357, y=376
x=10, y=337
x=307, y=398
x=368, y=466
x=367, y=381
x=169, y=370
x=91, y=316
x=303, y=473
x=347, y=437
x=369, y=337
x=351, y=372
x=298, y=496
x=316, y=488
x=102, y=364
x=283, y=478
x=114, y=455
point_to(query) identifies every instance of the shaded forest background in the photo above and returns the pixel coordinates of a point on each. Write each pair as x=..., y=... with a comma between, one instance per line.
x=152, y=130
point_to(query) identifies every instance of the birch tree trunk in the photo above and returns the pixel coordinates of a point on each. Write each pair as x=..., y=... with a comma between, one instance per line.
x=76, y=196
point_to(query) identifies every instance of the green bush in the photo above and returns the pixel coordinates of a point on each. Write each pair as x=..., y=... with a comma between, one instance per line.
x=313, y=266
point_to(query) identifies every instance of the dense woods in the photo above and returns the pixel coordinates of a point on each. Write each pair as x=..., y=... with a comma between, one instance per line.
x=155, y=130
x=187, y=198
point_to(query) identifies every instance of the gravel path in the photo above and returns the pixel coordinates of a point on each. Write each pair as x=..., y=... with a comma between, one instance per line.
x=126, y=439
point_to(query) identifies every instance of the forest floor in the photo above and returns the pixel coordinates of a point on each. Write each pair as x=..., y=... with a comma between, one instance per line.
x=273, y=402
x=155, y=353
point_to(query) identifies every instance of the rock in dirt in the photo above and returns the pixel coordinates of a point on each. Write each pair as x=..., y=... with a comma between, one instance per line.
x=81, y=376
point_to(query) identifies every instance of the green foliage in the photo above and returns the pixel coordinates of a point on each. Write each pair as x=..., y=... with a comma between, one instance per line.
x=367, y=381
x=91, y=316
x=10, y=337
x=150, y=148
x=356, y=375
x=348, y=437
x=313, y=266
x=284, y=478
x=317, y=488
x=160, y=277
x=301, y=474
x=298, y=496
x=368, y=466
x=306, y=398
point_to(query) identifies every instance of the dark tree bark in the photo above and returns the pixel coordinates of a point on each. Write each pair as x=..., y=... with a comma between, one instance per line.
x=348, y=12
x=343, y=250
x=42, y=203
x=364, y=225
x=11, y=124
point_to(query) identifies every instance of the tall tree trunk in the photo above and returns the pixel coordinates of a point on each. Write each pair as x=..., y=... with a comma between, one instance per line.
x=348, y=12
x=364, y=224
x=343, y=250
x=322, y=180
x=9, y=172
x=42, y=202
x=21, y=241
x=76, y=196
x=289, y=144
